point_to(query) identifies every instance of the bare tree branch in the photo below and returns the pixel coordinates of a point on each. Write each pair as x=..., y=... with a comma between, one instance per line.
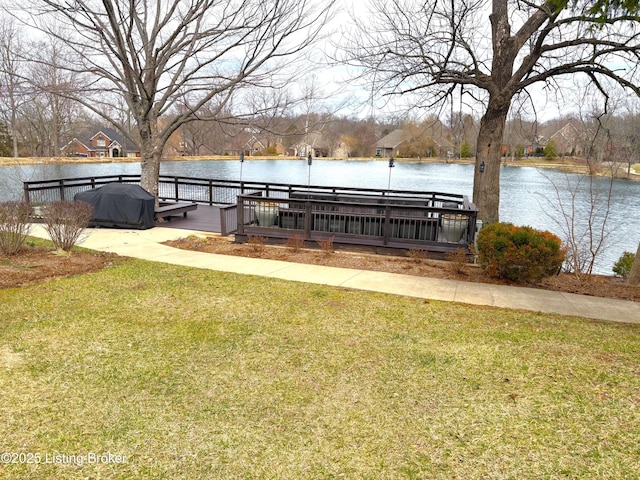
x=158, y=55
x=499, y=47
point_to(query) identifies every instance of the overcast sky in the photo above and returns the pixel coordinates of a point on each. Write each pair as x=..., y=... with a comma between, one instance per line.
x=547, y=102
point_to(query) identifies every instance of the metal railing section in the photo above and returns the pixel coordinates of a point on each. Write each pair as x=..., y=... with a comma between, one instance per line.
x=351, y=217
x=356, y=215
x=218, y=192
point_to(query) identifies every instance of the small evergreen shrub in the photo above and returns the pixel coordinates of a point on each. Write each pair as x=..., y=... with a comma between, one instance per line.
x=65, y=221
x=15, y=218
x=622, y=267
x=519, y=254
x=270, y=151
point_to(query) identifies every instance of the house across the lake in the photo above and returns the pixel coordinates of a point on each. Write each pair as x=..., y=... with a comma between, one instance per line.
x=102, y=143
x=406, y=143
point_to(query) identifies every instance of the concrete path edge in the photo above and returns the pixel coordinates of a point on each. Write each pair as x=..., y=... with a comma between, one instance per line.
x=148, y=245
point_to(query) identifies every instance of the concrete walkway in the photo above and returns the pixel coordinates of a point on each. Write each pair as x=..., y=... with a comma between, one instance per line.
x=147, y=245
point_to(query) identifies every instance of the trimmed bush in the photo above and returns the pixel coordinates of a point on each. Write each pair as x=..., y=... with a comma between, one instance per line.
x=65, y=221
x=295, y=244
x=622, y=267
x=326, y=245
x=519, y=254
x=15, y=218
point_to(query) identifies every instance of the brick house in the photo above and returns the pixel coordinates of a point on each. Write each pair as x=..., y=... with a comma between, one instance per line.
x=104, y=143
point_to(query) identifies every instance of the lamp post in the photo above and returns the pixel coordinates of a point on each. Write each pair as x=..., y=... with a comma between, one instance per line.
x=391, y=165
x=309, y=162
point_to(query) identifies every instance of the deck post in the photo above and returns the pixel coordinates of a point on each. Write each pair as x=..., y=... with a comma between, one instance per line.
x=223, y=223
x=387, y=224
x=240, y=215
x=307, y=219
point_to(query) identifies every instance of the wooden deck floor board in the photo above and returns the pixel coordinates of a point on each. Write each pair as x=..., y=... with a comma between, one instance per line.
x=206, y=219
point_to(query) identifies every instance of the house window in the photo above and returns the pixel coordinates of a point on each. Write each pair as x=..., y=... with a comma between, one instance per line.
x=102, y=142
x=378, y=152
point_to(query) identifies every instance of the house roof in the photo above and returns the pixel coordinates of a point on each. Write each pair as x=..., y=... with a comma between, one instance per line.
x=253, y=141
x=115, y=136
x=392, y=140
x=396, y=137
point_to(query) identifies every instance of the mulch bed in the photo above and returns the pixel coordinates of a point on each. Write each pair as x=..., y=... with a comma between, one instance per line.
x=594, y=285
x=36, y=264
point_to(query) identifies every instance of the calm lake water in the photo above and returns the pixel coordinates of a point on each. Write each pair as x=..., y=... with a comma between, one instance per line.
x=529, y=196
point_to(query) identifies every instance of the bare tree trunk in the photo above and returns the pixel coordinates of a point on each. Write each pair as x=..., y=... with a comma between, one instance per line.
x=150, y=156
x=14, y=137
x=634, y=274
x=150, y=173
x=486, y=177
x=56, y=120
x=151, y=145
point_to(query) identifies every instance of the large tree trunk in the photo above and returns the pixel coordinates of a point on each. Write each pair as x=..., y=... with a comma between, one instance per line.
x=150, y=172
x=634, y=275
x=486, y=177
x=150, y=156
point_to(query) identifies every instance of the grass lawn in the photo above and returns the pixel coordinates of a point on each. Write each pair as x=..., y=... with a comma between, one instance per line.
x=192, y=374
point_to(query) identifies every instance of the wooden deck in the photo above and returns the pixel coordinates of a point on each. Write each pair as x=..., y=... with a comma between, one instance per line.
x=205, y=219
x=168, y=210
x=432, y=221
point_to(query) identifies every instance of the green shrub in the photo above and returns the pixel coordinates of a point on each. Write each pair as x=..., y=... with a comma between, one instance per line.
x=465, y=150
x=623, y=266
x=270, y=151
x=519, y=254
x=551, y=150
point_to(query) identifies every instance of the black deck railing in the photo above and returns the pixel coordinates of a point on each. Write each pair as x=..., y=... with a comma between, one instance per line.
x=170, y=188
x=396, y=219
x=390, y=218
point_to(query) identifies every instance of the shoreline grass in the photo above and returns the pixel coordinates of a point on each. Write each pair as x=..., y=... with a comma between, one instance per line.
x=195, y=374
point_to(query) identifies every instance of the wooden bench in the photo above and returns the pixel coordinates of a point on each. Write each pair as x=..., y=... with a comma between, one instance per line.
x=168, y=210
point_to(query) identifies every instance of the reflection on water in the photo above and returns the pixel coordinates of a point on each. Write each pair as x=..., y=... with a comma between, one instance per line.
x=528, y=196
